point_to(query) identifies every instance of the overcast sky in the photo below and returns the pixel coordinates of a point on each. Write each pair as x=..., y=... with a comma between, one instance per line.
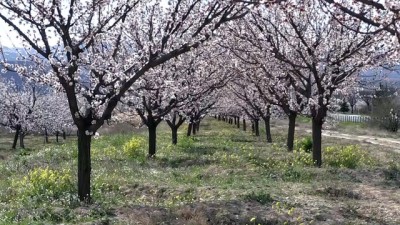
x=5, y=36
x=9, y=39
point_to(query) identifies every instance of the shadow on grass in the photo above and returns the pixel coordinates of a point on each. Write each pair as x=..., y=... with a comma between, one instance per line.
x=233, y=212
x=242, y=140
x=207, y=213
x=201, y=150
x=185, y=162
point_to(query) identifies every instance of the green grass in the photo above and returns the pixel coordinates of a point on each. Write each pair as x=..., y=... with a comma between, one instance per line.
x=303, y=119
x=221, y=176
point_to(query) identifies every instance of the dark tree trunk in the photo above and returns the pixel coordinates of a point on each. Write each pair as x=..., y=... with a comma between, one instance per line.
x=152, y=140
x=174, y=124
x=198, y=126
x=234, y=118
x=189, y=130
x=238, y=122
x=316, y=138
x=368, y=106
x=57, y=134
x=174, y=132
x=219, y=117
x=194, y=128
x=267, y=122
x=252, y=127
x=64, y=135
x=291, y=130
x=46, y=136
x=244, y=125
x=352, y=109
x=21, y=140
x=17, y=131
x=84, y=165
x=257, y=127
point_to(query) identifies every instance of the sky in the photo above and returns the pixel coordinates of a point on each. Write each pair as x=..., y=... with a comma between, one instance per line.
x=8, y=39
x=5, y=36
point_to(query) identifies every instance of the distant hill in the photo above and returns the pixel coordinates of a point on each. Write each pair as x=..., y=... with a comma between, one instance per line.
x=390, y=76
x=11, y=76
x=11, y=55
x=373, y=76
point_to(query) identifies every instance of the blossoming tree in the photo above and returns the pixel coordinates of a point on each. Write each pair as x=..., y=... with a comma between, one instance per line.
x=95, y=50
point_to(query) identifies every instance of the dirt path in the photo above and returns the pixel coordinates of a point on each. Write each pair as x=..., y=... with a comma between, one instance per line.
x=393, y=144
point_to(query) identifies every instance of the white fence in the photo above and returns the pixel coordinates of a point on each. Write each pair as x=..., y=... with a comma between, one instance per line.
x=349, y=118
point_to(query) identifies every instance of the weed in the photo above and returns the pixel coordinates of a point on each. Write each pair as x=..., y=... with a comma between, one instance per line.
x=134, y=148
x=350, y=156
x=305, y=144
x=186, y=143
x=260, y=197
x=42, y=183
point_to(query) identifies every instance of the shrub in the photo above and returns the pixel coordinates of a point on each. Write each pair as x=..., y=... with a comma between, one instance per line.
x=133, y=148
x=43, y=182
x=305, y=144
x=350, y=156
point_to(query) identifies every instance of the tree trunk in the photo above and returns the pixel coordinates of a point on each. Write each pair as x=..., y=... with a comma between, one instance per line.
x=252, y=127
x=21, y=140
x=84, y=166
x=234, y=118
x=194, y=128
x=316, y=138
x=198, y=126
x=189, y=130
x=219, y=117
x=291, y=130
x=174, y=131
x=267, y=122
x=238, y=122
x=57, y=134
x=244, y=125
x=369, y=106
x=152, y=140
x=46, y=136
x=64, y=135
x=256, y=127
x=174, y=124
x=17, y=131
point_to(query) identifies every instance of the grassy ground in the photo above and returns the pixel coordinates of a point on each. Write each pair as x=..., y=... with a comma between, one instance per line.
x=221, y=176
